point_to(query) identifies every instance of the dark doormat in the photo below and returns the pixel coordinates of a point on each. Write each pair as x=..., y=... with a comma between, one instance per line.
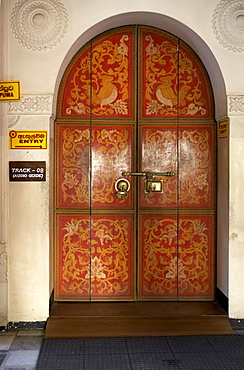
x=214, y=352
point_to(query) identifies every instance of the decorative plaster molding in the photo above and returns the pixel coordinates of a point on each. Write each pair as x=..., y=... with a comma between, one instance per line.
x=3, y=263
x=228, y=24
x=13, y=120
x=39, y=24
x=236, y=105
x=31, y=104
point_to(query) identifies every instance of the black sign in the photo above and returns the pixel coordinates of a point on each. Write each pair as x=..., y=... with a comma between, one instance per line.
x=27, y=171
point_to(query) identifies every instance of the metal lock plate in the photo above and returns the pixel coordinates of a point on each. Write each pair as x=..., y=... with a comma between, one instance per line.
x=153, y=186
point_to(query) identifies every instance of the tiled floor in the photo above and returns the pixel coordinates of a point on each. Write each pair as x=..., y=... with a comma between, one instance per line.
x=19, y=349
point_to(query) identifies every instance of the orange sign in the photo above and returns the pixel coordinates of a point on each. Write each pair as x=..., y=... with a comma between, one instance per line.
x=223, y=128
x=27, y=139
x=9, y=90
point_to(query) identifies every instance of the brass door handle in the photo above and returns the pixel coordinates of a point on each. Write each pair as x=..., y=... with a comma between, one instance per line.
x=149, y=175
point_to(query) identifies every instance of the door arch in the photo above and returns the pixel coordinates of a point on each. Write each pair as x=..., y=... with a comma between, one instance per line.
x=136, y=100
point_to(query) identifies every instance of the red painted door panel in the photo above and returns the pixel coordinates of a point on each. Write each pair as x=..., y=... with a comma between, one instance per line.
x=176, y=258
x=95, y=256
x=104, y=151
x=135, y=99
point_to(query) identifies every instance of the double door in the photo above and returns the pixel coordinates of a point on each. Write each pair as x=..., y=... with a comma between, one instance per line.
x=135, y=171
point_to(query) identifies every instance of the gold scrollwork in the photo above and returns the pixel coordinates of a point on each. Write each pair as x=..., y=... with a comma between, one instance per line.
x=194, y=251
x=163, y=82
x=110, y=155
x=195, y=167
x=106, y=88
x=194, y=164
x=159, y=240
x=75, y=166
x=164, y=266
x=97, y=265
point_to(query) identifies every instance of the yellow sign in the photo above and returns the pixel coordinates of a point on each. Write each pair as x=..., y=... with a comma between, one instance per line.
x=9, y=90
x=223, y=128
x=27, y=139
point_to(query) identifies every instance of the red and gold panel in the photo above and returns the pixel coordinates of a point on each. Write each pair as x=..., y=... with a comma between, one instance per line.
x=73, y=166
x=173, y=81
x=109, y=156
x=99, y=82
x=196, y=167
x=196, y=256
x=157, y=251
x=176, y=257
x=95, y=259
x=187, y=151
x=159, y=154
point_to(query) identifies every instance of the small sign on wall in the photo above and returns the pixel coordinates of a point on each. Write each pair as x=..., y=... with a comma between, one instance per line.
x=27, y=171
x=223, y=128
x=9, y=90
x=27, y=139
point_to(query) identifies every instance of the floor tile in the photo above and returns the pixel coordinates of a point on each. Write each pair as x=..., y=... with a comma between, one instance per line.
x=26, y=342
x=6, y=342
x=26, y=359
x=2, y=356
x=31, y=332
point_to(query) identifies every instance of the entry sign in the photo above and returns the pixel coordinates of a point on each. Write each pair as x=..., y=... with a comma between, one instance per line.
x=27, y=171
x=9, y=90
x=27, y=139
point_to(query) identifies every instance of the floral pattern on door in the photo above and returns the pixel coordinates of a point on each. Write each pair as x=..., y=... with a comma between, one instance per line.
x=168, y=270
x=161, y=146
x=110, y=155
x=96, y=257
x=173, y=82
x=99, y=80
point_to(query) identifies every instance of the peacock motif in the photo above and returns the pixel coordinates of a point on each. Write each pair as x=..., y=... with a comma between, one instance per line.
x=105, y=95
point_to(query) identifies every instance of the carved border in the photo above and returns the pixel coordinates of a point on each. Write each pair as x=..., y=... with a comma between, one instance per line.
x=236, y=105
x=31, y=104
x=228, y=24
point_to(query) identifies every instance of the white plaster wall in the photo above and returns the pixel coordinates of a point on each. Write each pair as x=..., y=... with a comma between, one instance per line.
x=3, y=188
x=39, y=73
x=3, y=226
x=223, y=214
x=29, y=235
x=236, y=211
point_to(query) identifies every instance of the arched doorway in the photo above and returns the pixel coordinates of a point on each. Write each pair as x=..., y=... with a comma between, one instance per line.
x=135, y=104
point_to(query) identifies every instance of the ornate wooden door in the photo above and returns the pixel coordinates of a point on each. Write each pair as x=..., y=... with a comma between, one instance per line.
x=134, y=103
